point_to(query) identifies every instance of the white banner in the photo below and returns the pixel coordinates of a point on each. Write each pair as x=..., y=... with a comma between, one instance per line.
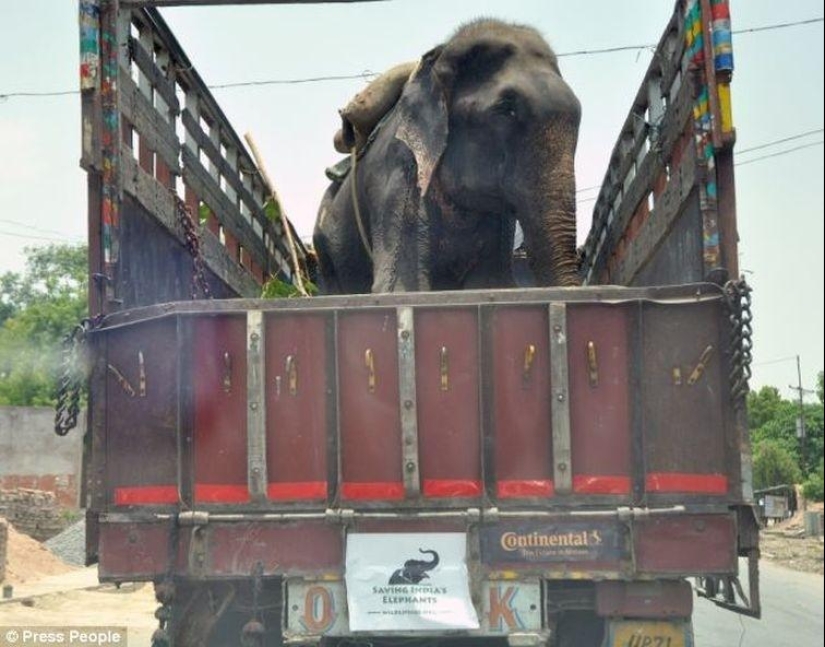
x=412, y=582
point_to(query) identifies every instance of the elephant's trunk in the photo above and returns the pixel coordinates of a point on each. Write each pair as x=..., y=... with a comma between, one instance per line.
x=434, y=561
x=549, y=223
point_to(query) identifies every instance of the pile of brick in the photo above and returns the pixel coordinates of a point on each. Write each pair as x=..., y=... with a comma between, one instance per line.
x=33, y=512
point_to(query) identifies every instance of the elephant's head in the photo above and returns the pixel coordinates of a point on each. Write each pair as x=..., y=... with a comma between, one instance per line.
x=493, y=129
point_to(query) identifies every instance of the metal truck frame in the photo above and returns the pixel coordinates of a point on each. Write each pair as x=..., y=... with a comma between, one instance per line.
x=590, y=444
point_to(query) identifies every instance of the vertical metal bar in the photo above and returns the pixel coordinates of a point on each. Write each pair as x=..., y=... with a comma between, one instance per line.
x=560, y=409
x=256, y=401
x=637, y=420
x=406, y=388
x=331, y=403
x=339, y=457
x=185, y=412
x=485, y=402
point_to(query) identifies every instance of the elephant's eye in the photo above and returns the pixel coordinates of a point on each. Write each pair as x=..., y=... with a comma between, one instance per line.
x=507, y=105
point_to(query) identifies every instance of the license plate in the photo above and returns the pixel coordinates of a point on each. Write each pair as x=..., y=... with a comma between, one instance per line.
x=650, y=634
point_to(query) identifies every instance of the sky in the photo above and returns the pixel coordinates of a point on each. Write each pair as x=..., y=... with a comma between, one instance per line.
x=777, y=94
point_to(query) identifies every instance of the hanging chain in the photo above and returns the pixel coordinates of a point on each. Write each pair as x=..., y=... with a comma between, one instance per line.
x=738, y=295
x=193, y=245
x=72, y=376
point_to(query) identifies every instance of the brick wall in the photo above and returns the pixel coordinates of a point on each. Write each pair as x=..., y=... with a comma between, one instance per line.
x=33, y=457
x=33, y=512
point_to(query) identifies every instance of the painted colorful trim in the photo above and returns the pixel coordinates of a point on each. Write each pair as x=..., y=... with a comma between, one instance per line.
x=89, y=43
x=589, y=484
x=220, y=493
x=443, y=488
x=304, y=491
x=681, y=483
x=522, y=489
x=703, y=137
x=389, y=491
x=147, y=495
x=110, y=139
x=722, y=36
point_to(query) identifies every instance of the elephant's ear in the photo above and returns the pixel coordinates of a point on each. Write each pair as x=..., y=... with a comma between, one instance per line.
x=424, y=118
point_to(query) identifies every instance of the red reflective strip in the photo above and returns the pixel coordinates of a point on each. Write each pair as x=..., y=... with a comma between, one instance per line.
x=221, y=493
x=146, y=495
x=691, y=483
x=517, y=489
x=304, y=490
x=447, y=488
x=372, y=490
x=588, y=484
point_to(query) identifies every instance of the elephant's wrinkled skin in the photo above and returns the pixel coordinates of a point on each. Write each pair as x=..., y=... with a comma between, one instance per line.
x=484, y=133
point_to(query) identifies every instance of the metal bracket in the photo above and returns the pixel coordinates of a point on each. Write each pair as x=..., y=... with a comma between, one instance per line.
x=560, y=411
x=256, y=409
x=407, y=393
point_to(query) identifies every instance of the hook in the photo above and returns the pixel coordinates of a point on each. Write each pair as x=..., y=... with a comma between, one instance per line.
x=369, y=361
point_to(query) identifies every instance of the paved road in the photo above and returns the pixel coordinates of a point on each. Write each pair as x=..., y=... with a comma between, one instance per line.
x=792, y=614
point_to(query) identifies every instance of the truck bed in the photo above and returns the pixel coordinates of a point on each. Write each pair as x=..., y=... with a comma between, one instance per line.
x=504, y=413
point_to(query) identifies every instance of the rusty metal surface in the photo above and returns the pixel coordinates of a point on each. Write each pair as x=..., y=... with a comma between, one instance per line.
x=219, y=375
x=521, y=403
x=448, y=413
x=686, y=545
x=141, y=447
x=600, y=398
x=234, y=550
x=370, y=424
x=689, y=293
x=297, y=420
x=659, y=599
x=137, y=551
x=682, y=384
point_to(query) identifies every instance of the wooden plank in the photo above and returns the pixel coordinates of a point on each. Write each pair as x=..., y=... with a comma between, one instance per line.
x=653, y=164
x=151, y=194
x=232, y=176
x=221, y=265
x=666, y=63
x=664, y=215
x=149, y=123
x=159, y=201
x=208, y=190
x=162, y=85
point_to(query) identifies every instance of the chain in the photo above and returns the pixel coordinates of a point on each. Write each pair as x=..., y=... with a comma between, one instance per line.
x=72, y=376
x=738, y=294
x=193, y=246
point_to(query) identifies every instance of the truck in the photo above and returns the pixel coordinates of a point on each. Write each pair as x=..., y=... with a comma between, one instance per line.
x=533, y=466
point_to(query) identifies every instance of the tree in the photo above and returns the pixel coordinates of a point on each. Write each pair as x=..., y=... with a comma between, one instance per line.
x=773, y=418
x=814, y=486
x=37, y=308
x=773, y=465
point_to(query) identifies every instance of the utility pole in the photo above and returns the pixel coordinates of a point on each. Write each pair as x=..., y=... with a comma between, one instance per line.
x=800, y=421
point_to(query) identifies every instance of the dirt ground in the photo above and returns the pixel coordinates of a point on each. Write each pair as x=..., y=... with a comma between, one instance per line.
x=785, y=544
x=28, y=560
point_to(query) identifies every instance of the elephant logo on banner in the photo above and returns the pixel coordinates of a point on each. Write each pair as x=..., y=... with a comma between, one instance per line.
x=415, y=570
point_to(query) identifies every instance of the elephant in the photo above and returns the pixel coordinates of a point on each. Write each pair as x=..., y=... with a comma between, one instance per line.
x=482, y=134
x=415, y=570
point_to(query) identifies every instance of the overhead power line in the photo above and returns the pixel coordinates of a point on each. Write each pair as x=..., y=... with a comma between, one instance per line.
x=781, y=141
x=780, y=153
x=748, y=150
x=363, y=75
